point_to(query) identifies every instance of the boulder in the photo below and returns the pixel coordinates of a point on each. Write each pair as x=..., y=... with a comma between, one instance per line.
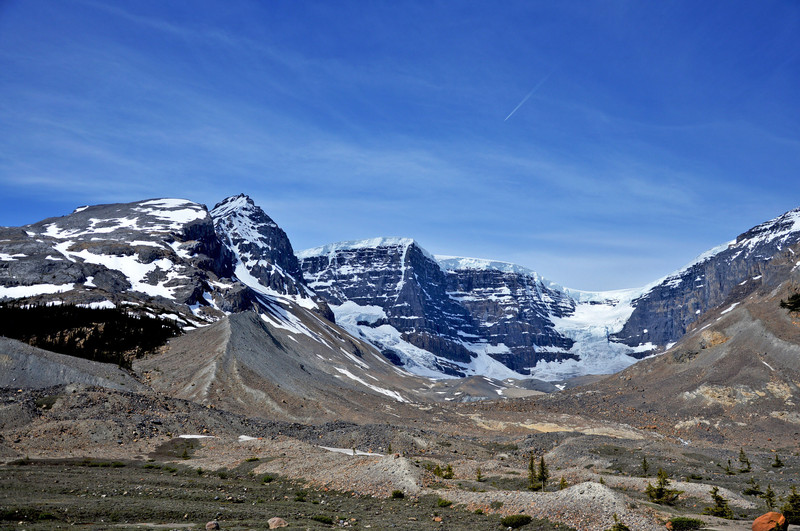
x=213, y=524
x=771, y=521
x=275, y=523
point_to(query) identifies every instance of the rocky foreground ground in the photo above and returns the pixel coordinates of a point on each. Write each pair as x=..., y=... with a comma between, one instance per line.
x=114, y=459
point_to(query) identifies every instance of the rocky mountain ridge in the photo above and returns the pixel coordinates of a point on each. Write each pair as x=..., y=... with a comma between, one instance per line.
x=434, y=316
x=505, y=313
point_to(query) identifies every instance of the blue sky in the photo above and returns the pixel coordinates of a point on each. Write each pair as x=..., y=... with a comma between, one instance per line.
x=651, y=131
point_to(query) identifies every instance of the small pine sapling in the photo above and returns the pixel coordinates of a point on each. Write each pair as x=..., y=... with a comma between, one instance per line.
x=720, y=508
x=645, y=466
x=562, y=484
x=777, y=463
x=532, y=485
x=769, y=498
x=754, y=488
x=661, y=493
x=791, y=509
x=744, y=461
x=618, y=526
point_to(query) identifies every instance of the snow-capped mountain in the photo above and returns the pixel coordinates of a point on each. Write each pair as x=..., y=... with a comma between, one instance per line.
x=171, y=258
x=762, y=256
x=463, y=316
x=434, y=316
x=389, y=290
x=262, y=255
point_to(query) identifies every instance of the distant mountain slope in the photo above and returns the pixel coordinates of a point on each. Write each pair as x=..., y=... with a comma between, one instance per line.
x=763, y=256
x=436, y=317
x=736, y=373
x=389, y=291
x=23, y=366
x=256, y=365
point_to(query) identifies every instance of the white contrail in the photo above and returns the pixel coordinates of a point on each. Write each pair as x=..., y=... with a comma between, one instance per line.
x=534, y=89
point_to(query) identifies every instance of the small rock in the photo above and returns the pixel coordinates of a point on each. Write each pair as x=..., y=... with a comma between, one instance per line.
x=275, y=523
x=771, y=521
x=213, y=524
x=437, y=518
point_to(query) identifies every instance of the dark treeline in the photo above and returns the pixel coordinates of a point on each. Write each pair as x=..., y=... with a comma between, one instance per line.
x=106, y=335
x=792, y=303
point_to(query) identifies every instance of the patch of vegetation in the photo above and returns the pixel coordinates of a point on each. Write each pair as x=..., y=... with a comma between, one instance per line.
x=441, y=502
x=398, y=494
x=251, y=460
x=496, y=504
x=754, y=488
x=618, y=526
x=769, y=497
x=438, y=471
x=268, y=478
x=27, y=514
x=661, y=493
x=46, y=402
x=792, y=303
x=791, y=509
x=300, y=496
x=720, y=508
x=321, y=518
x=682, y=523
x=106, y=335
x=515, y=521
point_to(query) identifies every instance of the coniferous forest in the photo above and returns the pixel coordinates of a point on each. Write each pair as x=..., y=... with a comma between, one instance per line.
x=106, y=335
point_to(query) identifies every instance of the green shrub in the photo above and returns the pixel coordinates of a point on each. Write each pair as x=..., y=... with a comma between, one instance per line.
x=398, y=494
x=268, y=478
x=682, y=523
x=618, y=526
x=496, y=504
x=441, y=502
x=515, y=520
x=321, y=518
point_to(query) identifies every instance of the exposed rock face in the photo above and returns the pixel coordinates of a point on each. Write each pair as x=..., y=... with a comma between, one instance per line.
x=402, y=279
x=451, y=309
x=762, y=256
x=513, y=307
x=263, y=257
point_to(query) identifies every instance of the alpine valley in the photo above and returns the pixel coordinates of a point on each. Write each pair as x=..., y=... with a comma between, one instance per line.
x=272, y=361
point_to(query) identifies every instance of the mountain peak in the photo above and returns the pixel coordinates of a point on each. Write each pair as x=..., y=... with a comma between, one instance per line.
x=370, y=243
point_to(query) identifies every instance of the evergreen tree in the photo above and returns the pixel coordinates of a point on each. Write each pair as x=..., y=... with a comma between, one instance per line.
x=720, y=508
x=791, y=509
x=754, y=489
x=777, y=463
x=744, y=461
x=645, y=466
x=543, y=474
x=562, y=484
x=661, y=493
x=532, y=485
x=769, y=497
